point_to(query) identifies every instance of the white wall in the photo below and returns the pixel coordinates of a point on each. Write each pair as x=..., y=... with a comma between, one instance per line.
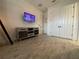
x=11, y=12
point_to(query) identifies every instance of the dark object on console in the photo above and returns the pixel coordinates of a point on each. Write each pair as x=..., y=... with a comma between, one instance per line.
x=24, y=33
x=11, y=42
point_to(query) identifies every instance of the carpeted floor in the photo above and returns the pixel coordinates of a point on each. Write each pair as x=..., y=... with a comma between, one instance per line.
x=41, y=47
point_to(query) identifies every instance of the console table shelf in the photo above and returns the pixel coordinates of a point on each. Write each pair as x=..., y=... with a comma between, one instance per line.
x=24, y=33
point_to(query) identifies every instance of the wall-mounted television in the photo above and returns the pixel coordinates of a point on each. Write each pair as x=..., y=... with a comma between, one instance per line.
x=28, y=17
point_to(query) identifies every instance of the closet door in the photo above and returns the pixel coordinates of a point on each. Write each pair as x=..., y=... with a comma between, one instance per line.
x=60, y=21
x=53, y=20
x=66, y=21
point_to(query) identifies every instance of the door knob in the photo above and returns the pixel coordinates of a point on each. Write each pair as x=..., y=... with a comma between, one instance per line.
x=59, y=26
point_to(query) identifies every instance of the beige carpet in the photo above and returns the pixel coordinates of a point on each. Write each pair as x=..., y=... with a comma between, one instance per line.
x=41, y=47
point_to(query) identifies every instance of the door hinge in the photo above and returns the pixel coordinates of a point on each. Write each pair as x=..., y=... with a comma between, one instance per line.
x=72, y=34
x=72, y=25
x=72, y=16
x=73, y=6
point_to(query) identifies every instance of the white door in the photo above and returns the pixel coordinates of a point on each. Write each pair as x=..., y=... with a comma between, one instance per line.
x=66, y=21
x=53, y=20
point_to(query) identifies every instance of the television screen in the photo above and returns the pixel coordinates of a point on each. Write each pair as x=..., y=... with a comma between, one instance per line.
x=29, y=17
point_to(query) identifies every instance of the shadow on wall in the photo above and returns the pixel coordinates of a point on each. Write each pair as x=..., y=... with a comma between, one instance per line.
x=3, y=38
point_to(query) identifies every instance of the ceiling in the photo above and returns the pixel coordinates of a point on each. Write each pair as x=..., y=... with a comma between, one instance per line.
x=44, y=4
